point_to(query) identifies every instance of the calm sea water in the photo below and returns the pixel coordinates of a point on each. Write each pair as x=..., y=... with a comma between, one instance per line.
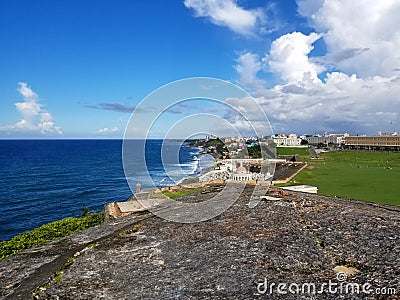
x=46, y=180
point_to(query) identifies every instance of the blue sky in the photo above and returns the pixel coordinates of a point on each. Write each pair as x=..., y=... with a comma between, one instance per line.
x=76, y=69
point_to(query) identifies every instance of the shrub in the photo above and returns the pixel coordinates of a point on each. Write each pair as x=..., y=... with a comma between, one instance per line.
x=48, y=232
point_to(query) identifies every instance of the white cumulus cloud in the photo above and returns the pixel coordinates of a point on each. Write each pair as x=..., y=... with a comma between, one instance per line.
x=34, y=118
x=47, y=125
x=30, y=107
x=354, y=86
x=288, y=57
x=248, y=65
x=107, y=130
x=361, y=36
x=228, y=14
x=303, y=101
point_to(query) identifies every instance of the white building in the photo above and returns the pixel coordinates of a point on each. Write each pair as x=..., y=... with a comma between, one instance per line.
x=240, y=170
x=337, y=139
x=287, y=141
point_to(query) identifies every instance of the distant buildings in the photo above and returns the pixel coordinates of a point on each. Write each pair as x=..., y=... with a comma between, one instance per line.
x=382, y=141
x=290, y=140
x=336, y=139
x=251, y=171
x=238, y=146
x=379, y=142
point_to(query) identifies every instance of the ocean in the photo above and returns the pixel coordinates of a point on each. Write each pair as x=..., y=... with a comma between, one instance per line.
x=46, y=180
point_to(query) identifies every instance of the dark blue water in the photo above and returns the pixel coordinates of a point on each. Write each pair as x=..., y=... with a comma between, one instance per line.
x=46, y=180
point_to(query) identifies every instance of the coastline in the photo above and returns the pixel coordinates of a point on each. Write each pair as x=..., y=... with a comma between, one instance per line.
x=42, y=181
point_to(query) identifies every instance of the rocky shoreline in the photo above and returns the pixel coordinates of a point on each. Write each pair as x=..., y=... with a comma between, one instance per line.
x=287, y=238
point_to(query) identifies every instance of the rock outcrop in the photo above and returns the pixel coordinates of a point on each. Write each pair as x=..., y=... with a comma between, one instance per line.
x=288, y=238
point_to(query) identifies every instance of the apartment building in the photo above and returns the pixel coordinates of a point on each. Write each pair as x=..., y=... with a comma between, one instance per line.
x=380, y=142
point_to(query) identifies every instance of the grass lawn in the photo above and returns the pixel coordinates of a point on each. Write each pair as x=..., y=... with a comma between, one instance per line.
x=174, y=195
x=303, y=153
x=370, y=176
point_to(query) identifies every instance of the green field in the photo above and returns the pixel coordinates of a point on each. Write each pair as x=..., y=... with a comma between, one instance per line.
x=370, y=176
x=303, y=153
x=177, y=194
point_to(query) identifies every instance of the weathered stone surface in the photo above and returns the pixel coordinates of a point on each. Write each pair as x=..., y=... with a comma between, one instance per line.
x=346, y=270
x=22, y=273
x=297, y=239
